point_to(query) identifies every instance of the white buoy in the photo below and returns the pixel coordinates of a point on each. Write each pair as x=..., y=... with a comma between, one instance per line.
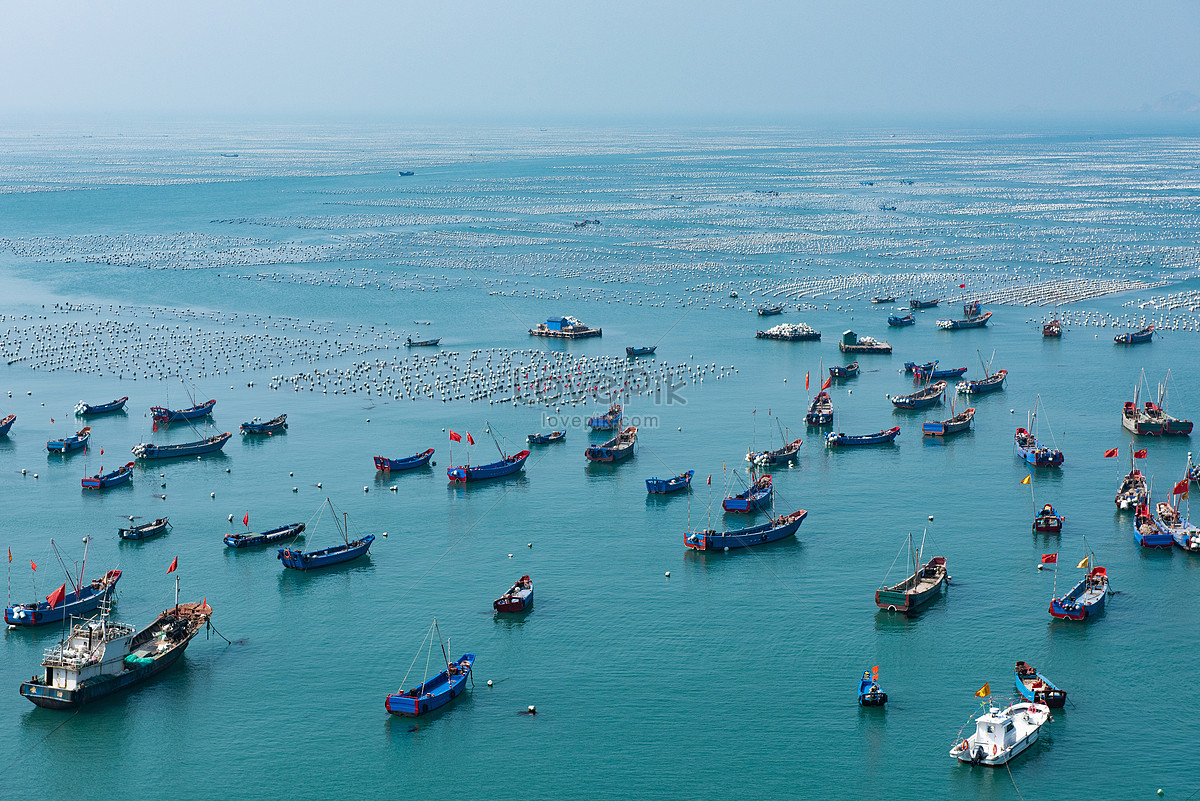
x=318, y=485
x=489, y=682
x=35, y=475
x=529, y=545
x=931, y=518
x=384, y=534
x=668, y=574
x=532, y=709
x=295, y=489
x=231, y=518
x=212, y=494
x=510, y=556
x=366, y=489
x=392, y=488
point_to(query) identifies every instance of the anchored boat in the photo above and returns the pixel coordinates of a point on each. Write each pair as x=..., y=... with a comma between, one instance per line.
x=505, y=467
x=756, y=496
x=105, y=480
x=1136, y=337
x=1048, y=521
x=299, y=560
x=928, y=396
x=407, y=463
x=1157, y=412
x=852, y=440
x=145, y=531
x=646, y=351
x=897, y=321
x=1036, y=688
x=546, y=439
x=776, y=529
x=6, y=423
x=84, y=596
x=920, y=588
x=68, y=444
x=869, y=692
x=91, y=410
x=608, y=421
x=257, y=426
x=436, y=692
x=1085, y=599
x=248, y=540
x=849, y=371
x=1001, y=734
x=1133, y=492
x=616, y=449
x=518, y=598
x=148, y=450
x=161, y=414
x=790, y=332
x=665, y=485
x=956, y=424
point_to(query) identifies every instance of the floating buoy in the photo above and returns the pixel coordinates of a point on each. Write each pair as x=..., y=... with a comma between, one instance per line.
x=35, y=475
x=231, y=518
x=510, y=556
x=668, y=574
x=392, y=488
x=294, y=489
x=22, y=471
x=318, y=485
x=291, y=474
x=931, y=518
x=489, y=682
x=212, y=494
x=384, y=534
x=529, y=545
x=532, y=709
x=227, y=470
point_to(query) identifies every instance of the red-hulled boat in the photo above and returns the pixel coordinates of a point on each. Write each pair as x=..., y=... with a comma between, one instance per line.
x=518, y=598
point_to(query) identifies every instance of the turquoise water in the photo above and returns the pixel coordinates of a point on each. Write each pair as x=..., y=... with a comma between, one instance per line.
x=738, y=670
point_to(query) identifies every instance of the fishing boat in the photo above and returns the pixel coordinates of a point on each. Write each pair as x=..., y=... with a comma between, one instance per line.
x=161, y=414
x=979, y=386
x=614, y=450
x=145, y=531
x=104, y=480
x=1133, y=492
x=954, y=425
x=664, y=485
x=646, y=351
x=1157, y=411
x=756, y=496
x=767, y=311
x=258, y=426
x=518, y=598
x=506, y=466
x=68, y=444
x=899, y=322
x=778, y=456
x=1033, y=453
x=850, y=440
x=925, y=583
x=84, y=596
x=972, y=309
x=914, y=368
x=790, y=332
x=148, y=450
x=100, y=657
x=6, y=423
x=1048, y=521
x=279, y=534
x=91, y=410
x=1036, y=688
x=853, y=343
x=1136, y=337
x=1147, y=530
x=1137, y=421
x=1085, y=599
x=820, y=410
x=869, y=692
x=953, y=372
x=775, y=529
x=1052, y=329
x=884, y=299
x=546, y=439
x=849, y=371
x=1001, y=734
x=970, y=322
x=299, y=560
x=608, y=421
x=928, y=396
x=422, y=343
x=564, y=328
x=407, y=463
x=923, y=304
x=433, y=693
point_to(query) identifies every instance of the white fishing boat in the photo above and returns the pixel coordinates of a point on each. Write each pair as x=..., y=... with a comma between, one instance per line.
x=1001, y=734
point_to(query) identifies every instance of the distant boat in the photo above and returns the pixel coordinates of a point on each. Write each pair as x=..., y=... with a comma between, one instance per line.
x=607, y=421
x=1133, y=491
x=505, y=467
x=756, y=496
x=1157, y=411
x=928, y=396
x=148, y=450
x=84, y=596
x=1148, y=532
x=771, y=531
x=925, y=583
x=1028, y=447
x=299, y=560
x=848, y=440
x=972, y=322
x=647, y=351
x=853, y=343
x=145, y=531
x=161, y=414
x=422, y=343
x=1137, y=420
x=897, y=321
x=72, y=443
x=564, y=328
x=616, y=449
x=6, y=423
x=1035, y=687
x=914, y=368
x=849, y=371
x=979, y=386
x=923, y=304
x=953, y=372
x=778, y=456
x=1136, y=337
x=257, y=426
x=869, y=692
x=518, y=598
x=279, y=534
x=1085, y=599
x=884, y=299
x=546, y=439
x=820, y=410
x=405, y=173
x=767, y=311
x=88, y=410
x=1052, y=329
x=665, y=485
x=1175, y=519
x=407, y=463
x=434, y=693
x=954, y=425
x=1001, y=734
x=106, y=480
x=1048, y=521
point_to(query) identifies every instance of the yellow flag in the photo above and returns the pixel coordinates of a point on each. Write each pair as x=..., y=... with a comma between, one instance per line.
x=986, y=689
x=1027, y=479
x=1084, y=563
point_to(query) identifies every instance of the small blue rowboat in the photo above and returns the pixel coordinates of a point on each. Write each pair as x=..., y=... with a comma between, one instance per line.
x=641, y=351
x=145, y=531
x=266, y=537
x=882, y=437
x=6, y=424
x=755, y=497
x=607, y=422
x=1085, y=600
x=776, y=529
x=89, y=410
x=438, y=691
x=505, y=467
x=1145, y=335
x=663, y=485
x=68, y=444
x=869, y=693
x=257, y=426
x=849, y=371
x=161, y=414
x=1038, y=689
x=912, y=367
x=546, y=439
x=148, y=450
x=897, y=322
x=74, y=603
x=409, y=463
x=106, y=480
x=298, y=560
x=955, y=372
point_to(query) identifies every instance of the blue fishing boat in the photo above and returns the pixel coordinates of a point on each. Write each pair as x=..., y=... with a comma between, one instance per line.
x=1086, y=599
x=265, y=538
x=756, y=496
x=955, y=425
x=777, y=529
x=926, y=582
x=869, y=692
x=1048, y=521
x=971, y=322
x=1033, y=453
x=518, y=598
x=778, y=456
x=422, y=343
x=84, y=596
x=148, y=450
x=922, y=398
x=913, y=367
x=505, y=467
x=6, y=423
x=820, y=411
x=300, y=560
x=72, y=443
x=849, y=440
x=407, y=463
x=106, y=480
x=955, y=372
x=91, y=410
x=437, y=692
x=145, y=531
x=648, y=351
x=1144, y=335
x=849, y=371
x=269, y=427
x=608, y=421
x=1035, y=687
x=546, y=439
x=616, y=449
x=923, y=304
x=161, y=414
x=898, y=322
x=767, y=311
x=981, y=385
x=664, y=485
x=1148, y=531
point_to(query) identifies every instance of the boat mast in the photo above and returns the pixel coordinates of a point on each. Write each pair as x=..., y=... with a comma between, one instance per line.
x=445, y=656
x=58, y=556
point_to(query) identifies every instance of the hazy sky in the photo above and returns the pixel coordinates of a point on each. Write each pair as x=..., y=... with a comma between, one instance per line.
x=531, y=58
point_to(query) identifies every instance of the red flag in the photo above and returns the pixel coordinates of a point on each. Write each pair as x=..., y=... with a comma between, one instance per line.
x=55, y=598
x=32, y=565
x=455, y=437
x=1180, y=488
x=174, y=564
x=1049, y=559
x=806, y=382
x=246, y=519
x=1140, y=454
x=1110, y=453
x=469, y=440
x=102, y=451
x=52, y=420
x=962, y=286
x=10, y=556
x=828, y=382
x=709, y=482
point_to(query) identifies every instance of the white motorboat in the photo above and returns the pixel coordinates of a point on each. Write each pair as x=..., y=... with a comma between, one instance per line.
x=1001, y=734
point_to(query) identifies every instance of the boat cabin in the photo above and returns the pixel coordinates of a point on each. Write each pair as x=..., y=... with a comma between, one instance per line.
x=87, y=653
x=995, y=732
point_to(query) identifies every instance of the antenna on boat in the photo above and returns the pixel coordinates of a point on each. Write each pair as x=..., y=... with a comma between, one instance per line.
x=176, y=591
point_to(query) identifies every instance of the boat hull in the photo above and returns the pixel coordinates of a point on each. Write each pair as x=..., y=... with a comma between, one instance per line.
x=88, y=410
x=746, y=537
x=161, y=414
x=659, y=486
x=149, y=451
x=298, y=560
x=144, y=532
x=848, y=440
x=410, y=463
x=6, y=423
x=265, y=538
x=74, y=605
x=434, y=694
x=507, y=467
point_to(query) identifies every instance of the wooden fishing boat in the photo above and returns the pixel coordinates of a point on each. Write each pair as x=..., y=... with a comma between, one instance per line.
x=505, y=467
x=1048, y=521
x=925, y=583
x=849, y=371
x=435, y=693
x=850, y=440
x=608, y=421
x=778, y=456
x=1033, y=453
x=646, y=351
x=756, y=496
x=1137, y=421
x=1136, y=337
x=148, y=450
x=407, y=463
x=106, y=480
x=927, y=367
x=1086, y=599
x=84, y=596
x=972, y=309
x=956, y=424
x=923, y=304
x=265, y=538
x=68, y=444
x=100, y=657
x=6, y=423
x=422, y=343
x=299, y=560
x=518, y=598
x=91, y=410
x=664, y=485
x=1052, y=329
x=771, y=531
x=145, y=531
x=979, y=386
x=614, y=450
x=928, y=396
x=1038, y=689
x=564, y=328
x=257, y=426
x=869, y=692
x=767, y=311
x=1133, y=492
x=161, y=414
x=546, y=439
x=853, y=343
x=970, y=322
x=899, y=322
x=820, y=411
x=1001, y=734
x=883, y=299
x=1148, y=532
x=790, y=332
x=954, y=372
x=1157, y=411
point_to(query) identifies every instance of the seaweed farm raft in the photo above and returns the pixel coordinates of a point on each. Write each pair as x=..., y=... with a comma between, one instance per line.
x=564, y=328
x=852, y=343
